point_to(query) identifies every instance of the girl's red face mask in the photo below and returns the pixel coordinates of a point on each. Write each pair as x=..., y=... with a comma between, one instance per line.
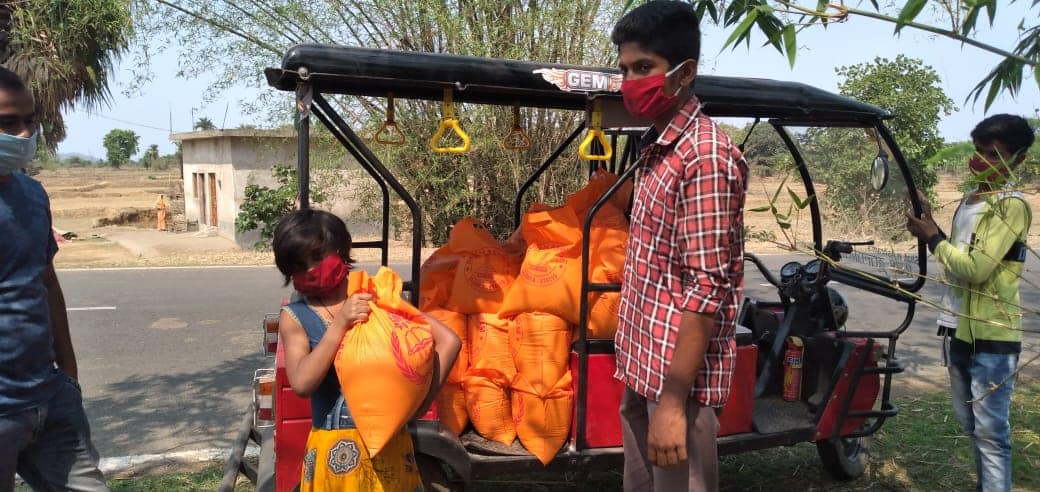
x=324, y=279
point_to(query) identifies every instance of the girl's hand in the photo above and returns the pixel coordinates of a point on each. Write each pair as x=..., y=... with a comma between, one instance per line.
x=353, y=311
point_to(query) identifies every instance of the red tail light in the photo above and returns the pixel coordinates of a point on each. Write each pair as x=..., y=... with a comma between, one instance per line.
x=270, y=334
x=263, y=397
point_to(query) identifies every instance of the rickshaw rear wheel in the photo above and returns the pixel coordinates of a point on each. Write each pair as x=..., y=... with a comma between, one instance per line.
x=843, y=458
x=434, y=478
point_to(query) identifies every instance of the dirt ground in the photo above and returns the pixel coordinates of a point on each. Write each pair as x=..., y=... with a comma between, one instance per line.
x=81, y=196
x=767, y=237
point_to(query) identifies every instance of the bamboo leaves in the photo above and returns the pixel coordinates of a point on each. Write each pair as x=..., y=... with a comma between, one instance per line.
x=779, y=20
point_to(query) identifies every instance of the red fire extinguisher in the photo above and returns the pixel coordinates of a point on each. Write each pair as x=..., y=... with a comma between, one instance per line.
x=793, y=369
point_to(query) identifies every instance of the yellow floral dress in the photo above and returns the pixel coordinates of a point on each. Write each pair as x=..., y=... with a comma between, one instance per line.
x=337, y=460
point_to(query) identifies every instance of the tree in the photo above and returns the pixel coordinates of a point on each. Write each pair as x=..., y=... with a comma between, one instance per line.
x=151, y=156
x=262, y=206
x=781, y=20
x=843, y=156
x=481, y=183
x=912, y=91
x=120, y=146
x=64, y=50
x=765, y=152
x=204, y=124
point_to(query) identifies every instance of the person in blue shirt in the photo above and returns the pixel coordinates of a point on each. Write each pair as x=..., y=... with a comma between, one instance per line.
x=44, y=434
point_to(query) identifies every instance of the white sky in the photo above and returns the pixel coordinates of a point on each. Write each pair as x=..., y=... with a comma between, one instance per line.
x=170, y=101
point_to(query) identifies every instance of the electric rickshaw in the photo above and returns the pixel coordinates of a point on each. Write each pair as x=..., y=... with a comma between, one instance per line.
x=843, y=364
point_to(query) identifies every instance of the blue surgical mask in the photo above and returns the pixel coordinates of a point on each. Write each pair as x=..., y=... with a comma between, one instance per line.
x=16, y=152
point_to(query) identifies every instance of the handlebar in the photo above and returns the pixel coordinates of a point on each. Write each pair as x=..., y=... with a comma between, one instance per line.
x=762, y=268
x=834, y=249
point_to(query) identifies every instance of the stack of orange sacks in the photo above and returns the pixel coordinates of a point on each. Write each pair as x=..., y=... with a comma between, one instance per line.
x=463, y=284
x=514, y=381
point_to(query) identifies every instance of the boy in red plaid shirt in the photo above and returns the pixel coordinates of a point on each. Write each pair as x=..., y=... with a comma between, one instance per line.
x=684, y=272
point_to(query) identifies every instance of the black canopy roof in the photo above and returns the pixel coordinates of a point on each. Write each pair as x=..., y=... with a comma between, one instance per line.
x=417, y=75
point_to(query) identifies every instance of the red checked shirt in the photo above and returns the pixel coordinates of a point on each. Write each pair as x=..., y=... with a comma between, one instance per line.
x=685, y=253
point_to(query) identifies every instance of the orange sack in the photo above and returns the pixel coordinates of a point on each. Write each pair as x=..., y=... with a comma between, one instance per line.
x=550, y=276
x=385, y=364
x=543, y=419
x=458, y=323
x=451, y=407
x=487, y=381
x=582, y=200
x=489, y=344
x=485, y=269
x=487, y=401
x=541, y=349
x=435, y=278
x=451, y=401
x=609, y=234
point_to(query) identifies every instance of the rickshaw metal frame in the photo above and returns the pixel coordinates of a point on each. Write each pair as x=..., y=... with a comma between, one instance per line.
x=314, y=70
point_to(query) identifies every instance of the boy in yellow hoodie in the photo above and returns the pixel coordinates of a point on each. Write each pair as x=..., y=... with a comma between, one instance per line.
x=983, y=258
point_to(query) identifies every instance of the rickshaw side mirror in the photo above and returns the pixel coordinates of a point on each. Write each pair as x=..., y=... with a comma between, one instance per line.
x=879, y=172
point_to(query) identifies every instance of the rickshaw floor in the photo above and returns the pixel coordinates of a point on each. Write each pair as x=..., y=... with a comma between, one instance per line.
x=476, y=443
x=773, y=415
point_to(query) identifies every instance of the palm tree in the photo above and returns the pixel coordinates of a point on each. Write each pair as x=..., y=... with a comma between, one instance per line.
x=204, y=124
x=65, y=50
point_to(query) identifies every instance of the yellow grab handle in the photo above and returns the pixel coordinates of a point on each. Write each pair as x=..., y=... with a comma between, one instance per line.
x=595, y=134
x=448, y=120
x=396, y=136
x=452, y=123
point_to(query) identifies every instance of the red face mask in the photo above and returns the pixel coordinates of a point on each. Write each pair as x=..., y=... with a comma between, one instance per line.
x=645, y=98
x=324, y=279
x=985, y=172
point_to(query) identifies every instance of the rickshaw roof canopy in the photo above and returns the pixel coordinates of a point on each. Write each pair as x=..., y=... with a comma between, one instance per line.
x=416, y=75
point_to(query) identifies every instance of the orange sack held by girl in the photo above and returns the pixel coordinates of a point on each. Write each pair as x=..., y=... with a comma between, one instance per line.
x=312, y=250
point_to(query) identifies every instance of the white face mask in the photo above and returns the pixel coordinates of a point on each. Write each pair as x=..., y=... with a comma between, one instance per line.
x=16, y=152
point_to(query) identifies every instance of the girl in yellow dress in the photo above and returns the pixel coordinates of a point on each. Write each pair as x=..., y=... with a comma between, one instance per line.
x=312, y=250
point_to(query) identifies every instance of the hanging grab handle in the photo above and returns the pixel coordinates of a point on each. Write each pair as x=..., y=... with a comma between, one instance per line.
x=390, y=133
x=517, y=138
x=448, y=121
x=595, y=134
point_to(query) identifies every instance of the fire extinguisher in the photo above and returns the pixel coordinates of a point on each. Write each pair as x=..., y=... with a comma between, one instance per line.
x=793, y=369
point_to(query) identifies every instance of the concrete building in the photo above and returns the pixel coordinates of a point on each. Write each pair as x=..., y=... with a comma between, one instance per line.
x=218, y=164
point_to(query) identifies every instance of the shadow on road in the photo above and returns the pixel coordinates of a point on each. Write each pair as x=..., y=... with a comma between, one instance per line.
x=173, y=412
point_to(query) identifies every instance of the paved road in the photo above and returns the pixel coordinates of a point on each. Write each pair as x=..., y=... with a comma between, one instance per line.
x=169, y=368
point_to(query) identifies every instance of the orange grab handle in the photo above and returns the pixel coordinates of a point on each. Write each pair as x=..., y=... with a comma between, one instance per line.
x=390, y=133
x=517, y=138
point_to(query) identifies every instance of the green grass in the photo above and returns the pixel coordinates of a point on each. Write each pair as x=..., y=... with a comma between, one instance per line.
x=205, y=480
x=208, y=480
x=921, y=449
